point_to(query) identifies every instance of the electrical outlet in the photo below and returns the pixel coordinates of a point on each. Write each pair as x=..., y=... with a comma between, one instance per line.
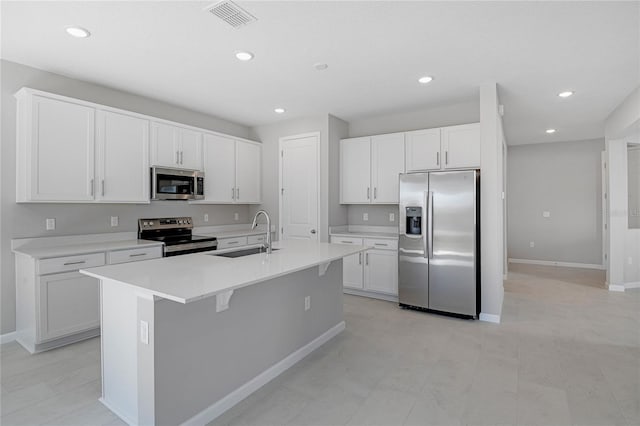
x=365, y=216
x=206, y=217
x=114, y=220
x=50, y=224
x=392, y=217
x=144, y=332
x=236, y=216
x=630, y=260
x=546, y=214
x=307, y=303
x=532, y=244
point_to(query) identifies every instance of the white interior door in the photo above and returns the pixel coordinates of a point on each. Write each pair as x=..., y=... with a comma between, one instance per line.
x=299, y=190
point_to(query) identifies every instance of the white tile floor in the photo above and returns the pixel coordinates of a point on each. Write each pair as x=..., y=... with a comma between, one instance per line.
x=567, y=352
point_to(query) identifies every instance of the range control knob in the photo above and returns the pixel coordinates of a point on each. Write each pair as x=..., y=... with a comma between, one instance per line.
x=150, y=223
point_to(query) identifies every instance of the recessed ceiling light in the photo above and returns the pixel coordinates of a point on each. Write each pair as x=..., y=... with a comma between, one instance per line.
x=320, y=66
x=424, y=80
x=78, y=32
x=244, y=56
x=550, y=131
x=565, y=94
x=279, y=110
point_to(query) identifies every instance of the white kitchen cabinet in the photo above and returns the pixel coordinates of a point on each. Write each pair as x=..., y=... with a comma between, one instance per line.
x=461, y=146
x=69, y=304
x=232, y=171
x=422, y=150
x=373, y=273
x=355, y=171
x=55, y=149
x=369, y=169
x=122, y=158
x=175, y=146
x=387, y=162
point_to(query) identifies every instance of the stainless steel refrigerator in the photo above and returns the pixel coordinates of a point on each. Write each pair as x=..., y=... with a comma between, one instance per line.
x=439, y=241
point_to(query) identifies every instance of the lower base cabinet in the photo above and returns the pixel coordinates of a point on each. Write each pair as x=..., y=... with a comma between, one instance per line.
x=375, y=271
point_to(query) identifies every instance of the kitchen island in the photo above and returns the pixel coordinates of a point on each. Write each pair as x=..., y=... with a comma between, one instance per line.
x=185, y=338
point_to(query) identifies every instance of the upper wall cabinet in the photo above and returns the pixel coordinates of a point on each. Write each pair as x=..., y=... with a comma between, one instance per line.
x=369, y=168
x=232, y=171
x=55, y=149
x=454, y=147
x=175, y=146
x=122, y=158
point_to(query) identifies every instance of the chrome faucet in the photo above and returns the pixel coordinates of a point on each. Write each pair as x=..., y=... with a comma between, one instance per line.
x=255, y=223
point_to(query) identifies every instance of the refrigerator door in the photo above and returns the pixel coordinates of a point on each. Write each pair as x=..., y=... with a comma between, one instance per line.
x=413, y=262
x=452, y=267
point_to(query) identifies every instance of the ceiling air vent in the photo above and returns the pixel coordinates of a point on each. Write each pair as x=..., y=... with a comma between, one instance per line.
x=231, y=13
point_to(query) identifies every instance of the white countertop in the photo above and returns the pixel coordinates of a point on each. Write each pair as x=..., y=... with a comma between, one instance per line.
x=44, y=252
x=232, y=233
x=196, y=276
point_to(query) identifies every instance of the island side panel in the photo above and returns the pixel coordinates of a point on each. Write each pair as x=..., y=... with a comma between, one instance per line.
x=202, y=356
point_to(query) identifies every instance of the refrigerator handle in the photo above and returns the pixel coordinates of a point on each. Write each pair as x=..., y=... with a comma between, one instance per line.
x=430, y=224
x=425, y=221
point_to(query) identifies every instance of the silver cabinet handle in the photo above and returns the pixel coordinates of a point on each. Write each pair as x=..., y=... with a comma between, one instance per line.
x=233, y=193
x=313, y=231
x=181, y=157
x=446, y=157
x=75, y=263
x=177, y=157
x=375, y=192
x=232, y=242
x=438, y=158
x=237, y=193
x=380, y=244
x=359, y=258
x=137, y=254
x=368, y=193
x=91, y=184
x=103, y=187
x=366, y=259
x=346, y=242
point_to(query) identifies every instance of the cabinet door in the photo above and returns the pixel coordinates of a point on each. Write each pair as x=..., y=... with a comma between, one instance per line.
x=190, y=149
x=461, y=146
x=422, y=150
x=355, y=171
x=69, y=303
x=219, y=169
x=387, y=162
x=62, y=167
x=352, y=273
x=122, y=158
x=381, y=271
x=248, y=166
x=165, y=145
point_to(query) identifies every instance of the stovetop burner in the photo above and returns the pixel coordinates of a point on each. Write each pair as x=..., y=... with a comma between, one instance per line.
x=175, y=233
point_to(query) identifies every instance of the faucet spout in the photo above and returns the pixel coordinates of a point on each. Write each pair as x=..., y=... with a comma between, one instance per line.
x=255, y=223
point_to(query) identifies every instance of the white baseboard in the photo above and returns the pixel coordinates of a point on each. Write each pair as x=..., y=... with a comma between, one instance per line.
x=124, y=418
x=7, y=337
x=490, y=318
x=224, y=404
x=554, y=263
x=625, y=286
x=616, y=287
x=631, y=285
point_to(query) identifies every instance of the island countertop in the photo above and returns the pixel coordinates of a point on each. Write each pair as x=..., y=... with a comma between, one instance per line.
x=196, y=276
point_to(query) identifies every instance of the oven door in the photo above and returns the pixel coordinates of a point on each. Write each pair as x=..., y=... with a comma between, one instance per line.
x=173, y=184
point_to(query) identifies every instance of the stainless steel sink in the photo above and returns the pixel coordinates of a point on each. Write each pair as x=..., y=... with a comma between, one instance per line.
x=245, y=252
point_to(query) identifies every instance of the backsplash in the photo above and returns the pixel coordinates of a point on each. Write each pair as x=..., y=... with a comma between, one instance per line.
x=378, y=215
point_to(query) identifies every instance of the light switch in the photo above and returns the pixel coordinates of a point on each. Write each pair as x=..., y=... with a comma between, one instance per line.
x=546, y=214
x=50, y=224
x=392, y=217
x=114, y=220
x=144, y=332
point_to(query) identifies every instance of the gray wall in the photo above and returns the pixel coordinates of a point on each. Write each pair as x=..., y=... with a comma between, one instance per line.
x=425, y=118
x=27, y=220
x=338, y=129
x=563, y=178
x=378, y=214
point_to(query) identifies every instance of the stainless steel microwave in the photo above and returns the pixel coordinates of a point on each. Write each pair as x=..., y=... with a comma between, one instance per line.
x=176, y=184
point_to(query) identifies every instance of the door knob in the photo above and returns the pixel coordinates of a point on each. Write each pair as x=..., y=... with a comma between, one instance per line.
x=313, y=231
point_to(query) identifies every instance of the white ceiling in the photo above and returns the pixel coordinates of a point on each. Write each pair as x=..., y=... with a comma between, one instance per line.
x=178, y=53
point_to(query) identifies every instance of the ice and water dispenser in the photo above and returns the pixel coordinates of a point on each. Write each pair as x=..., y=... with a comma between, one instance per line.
x=414, y=220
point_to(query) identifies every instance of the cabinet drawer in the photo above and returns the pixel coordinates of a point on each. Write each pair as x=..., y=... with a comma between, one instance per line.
x=381, y=244
x=133, y=255
x=224, y=243
x=257, y=239
x=346, y=240
x=70, y=263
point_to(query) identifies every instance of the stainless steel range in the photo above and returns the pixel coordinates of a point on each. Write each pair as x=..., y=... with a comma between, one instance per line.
x=175, y=233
